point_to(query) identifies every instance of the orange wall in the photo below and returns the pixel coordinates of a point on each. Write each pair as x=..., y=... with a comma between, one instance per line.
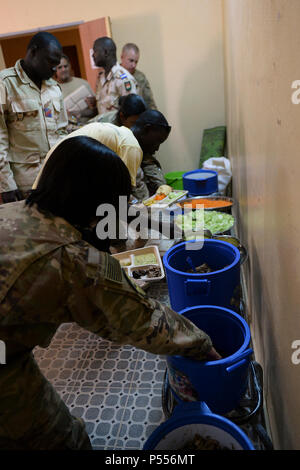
x=262, y=43
x=181, y=54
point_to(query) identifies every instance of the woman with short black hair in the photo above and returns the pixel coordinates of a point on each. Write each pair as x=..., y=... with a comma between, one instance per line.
x=49, y=275
x=81, y=174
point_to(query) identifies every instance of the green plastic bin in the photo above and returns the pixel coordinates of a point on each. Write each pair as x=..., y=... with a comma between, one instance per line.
x=174, y=179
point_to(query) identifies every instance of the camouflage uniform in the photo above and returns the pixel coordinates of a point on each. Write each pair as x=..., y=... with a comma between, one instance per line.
x=118, y=82
x=144, y=89
x=140, y=190
x=111, y=117
x=37, y=252
x=153, y=175
x=31, y=122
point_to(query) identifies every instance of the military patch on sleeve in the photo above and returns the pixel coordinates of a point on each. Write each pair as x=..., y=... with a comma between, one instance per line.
x=94, y=256
x=108, y=267
x=127, y=86
x=112, y=269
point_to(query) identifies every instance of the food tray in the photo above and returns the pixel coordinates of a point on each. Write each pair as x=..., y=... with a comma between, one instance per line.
x=167, y=201
x=130, y=262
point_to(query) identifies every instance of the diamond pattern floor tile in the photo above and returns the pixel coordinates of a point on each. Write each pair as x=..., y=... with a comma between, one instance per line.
x=116, y=389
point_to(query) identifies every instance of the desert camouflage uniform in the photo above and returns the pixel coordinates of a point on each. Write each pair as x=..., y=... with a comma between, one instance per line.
x=118, y=82
x=144, y=89
x=31, y=122
x=38, y=252
x=153, y=175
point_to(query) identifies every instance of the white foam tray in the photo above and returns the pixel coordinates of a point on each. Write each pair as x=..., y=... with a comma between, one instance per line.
x=129, y=255
x=166, y=201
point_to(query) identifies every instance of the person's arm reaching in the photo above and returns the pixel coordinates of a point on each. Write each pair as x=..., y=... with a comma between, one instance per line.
x=103, y=300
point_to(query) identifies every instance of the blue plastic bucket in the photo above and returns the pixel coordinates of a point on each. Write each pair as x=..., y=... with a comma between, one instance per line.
x=200, y=182
x=221, y=287
x=221, y=384
x=190, y=419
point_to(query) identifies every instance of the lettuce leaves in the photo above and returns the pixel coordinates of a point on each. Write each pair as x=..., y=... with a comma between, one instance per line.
x=199, y=220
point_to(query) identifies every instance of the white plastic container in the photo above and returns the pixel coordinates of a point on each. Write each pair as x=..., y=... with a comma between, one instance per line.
x=129, y=262
x=172, y=197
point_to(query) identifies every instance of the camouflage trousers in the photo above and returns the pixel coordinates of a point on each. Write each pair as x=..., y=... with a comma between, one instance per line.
x=32, y=415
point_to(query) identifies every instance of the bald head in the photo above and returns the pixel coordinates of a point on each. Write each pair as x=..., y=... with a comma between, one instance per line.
x=105, y=43
x=154, y=118
x=130, y=57
x=151, y=129
x=42, y=40
x=105, y=52
x=43, y=54
x=130, y=45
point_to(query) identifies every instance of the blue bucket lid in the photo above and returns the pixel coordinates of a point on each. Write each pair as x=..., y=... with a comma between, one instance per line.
x=200, y=182
x=189, y=413
x=201, y=174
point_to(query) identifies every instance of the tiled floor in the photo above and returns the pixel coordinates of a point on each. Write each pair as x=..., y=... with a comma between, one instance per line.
x=117, y=390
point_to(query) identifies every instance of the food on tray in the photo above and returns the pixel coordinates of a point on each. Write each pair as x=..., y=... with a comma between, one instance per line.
x=207, y=203
x=172, y=195
x=125, y=262
x=147, y=272
x=164, y=189
x=159, y=197
x=150, y=202
x=148, y=258
x=216, y=222
x=145, y=262
x=203, y=443
x=164, y=194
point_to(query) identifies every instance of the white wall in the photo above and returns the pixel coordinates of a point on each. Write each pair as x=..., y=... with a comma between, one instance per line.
x=262, y=60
